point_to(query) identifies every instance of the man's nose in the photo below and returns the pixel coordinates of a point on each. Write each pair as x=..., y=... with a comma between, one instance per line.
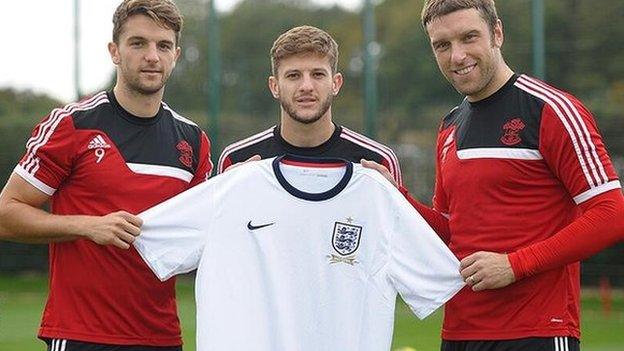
x=151, y=55
x=306, y=83
x=458, y=53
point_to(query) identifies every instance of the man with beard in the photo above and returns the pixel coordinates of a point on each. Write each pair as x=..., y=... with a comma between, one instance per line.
x=98, y=162
x=305, y=81
x=525, y=186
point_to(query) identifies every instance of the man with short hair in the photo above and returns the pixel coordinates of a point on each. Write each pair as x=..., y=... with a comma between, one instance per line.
x=524, y=190
x=100, y=161
x=305, y=80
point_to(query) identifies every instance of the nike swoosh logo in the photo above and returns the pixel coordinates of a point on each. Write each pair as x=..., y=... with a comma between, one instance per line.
x=254, y=227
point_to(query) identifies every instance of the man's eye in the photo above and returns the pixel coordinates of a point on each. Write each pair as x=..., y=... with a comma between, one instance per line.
x=441, y=46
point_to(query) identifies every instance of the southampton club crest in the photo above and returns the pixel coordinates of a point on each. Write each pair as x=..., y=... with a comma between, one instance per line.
x=345, y=240
x=512, y=132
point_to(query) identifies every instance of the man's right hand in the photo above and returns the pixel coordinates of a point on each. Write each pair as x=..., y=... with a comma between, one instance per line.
x=119, y=229
x=22, y=220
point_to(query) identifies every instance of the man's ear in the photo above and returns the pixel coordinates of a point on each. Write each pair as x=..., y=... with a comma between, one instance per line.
x=337, y=81
x=113, y=50
x=499, y=35
x=273, y=86
x=178, y=51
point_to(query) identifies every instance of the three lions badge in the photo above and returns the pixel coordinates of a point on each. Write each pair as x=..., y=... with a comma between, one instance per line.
x=345, y=241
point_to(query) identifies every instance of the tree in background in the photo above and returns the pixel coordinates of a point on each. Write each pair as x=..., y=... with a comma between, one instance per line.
x=584, y=53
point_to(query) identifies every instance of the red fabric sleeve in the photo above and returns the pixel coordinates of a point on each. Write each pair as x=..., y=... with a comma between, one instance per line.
x=601, y=225
x=573, y=148
x=446, y=141
x=204, y=167
x=50, y=152
x=435, y=219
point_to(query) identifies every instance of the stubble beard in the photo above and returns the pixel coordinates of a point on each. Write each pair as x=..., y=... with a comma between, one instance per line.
x=487, y=74
x=292, y=113
x=134, y=84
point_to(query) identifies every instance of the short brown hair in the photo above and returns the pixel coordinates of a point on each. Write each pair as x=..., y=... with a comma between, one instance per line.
x=304, y=39
x=437, y=8
x=163, y=12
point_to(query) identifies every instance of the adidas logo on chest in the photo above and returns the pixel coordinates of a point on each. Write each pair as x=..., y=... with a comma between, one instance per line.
x=98, y=142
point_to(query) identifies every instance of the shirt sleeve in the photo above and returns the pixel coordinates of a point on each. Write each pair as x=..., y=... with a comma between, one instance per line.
x=50, y=152
x=204, y=168
x=174, y=232
x=391, y=162
x=224, y=162
x=444, y=143
x=601, y=225
x=573, y=148
x=435, y=219
x=422, y=269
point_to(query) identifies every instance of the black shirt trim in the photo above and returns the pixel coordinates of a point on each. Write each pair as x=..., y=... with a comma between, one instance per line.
x=307, y=151
x=498, y=94
x=129, y=116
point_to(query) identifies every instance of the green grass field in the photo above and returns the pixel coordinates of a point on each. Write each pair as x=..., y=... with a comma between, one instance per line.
x=22, y=299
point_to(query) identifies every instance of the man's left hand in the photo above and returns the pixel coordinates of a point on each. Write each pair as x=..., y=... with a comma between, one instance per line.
x=486, y=270
x=251, y=159
x=381, y=169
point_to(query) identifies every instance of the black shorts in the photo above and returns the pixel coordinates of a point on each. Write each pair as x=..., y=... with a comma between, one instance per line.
x=528, y=344
x=71, y=345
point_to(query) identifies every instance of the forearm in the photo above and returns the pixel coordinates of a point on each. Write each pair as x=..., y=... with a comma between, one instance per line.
x=601, y=225
x=27, y=224
x=435, y=219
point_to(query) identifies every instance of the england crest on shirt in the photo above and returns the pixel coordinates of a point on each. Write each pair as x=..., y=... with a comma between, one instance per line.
x=346, y=238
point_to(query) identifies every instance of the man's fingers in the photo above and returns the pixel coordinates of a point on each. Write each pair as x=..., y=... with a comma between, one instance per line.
x=369, y=164
x=471, y=280
x=468, y=272
x=374, y=165
x=487, y=270
x=381, y=169
x=468, y=268
x=126, y=237
x=134, y=220
x=479, y=285
x=130, y=228
x=127, y=222
x=251, y=159
x=468, y=260
x=120, y=244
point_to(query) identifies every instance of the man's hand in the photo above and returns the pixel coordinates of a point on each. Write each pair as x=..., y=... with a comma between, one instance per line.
x=381, y=169
x=119, y=229
x=486, y=270
x=252, y=158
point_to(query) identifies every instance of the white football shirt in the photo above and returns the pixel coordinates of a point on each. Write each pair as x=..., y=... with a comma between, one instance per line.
x=299, y=255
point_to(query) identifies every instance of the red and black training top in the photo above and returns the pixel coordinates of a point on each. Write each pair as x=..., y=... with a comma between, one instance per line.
x=94, y=158
x=513, y=172
x=343, y=143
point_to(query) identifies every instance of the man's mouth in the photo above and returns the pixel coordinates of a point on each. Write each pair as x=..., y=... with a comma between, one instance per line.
x=305, y=100
x=465, y=70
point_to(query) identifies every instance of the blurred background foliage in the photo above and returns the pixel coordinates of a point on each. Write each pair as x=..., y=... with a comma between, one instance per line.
x=584, y=55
